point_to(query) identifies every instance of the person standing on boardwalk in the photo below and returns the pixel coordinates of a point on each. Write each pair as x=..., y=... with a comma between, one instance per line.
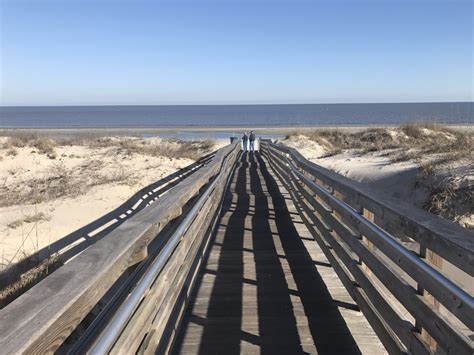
x=245, y=138
x=252, y=140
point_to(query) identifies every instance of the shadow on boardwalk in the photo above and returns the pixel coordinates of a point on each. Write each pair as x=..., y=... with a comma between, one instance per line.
x=259, y=291
x=77, y=241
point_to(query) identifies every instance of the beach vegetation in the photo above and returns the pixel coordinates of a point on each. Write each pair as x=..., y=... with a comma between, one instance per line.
x=13, y=284
x=406, y=142
x=20, y=139
x=11, y=152
x=168, y=148
x=444, y=157
x=29, y=218
x=63, y=180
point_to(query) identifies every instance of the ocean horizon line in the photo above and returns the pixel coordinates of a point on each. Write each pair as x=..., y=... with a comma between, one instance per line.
x=246, y=104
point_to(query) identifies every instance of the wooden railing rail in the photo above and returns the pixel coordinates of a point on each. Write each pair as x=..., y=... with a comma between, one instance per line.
x=441, y=236
x=41, y=319
x=355, y=226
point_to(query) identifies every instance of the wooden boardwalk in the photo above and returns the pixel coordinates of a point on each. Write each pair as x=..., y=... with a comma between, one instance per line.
x=266, y=286
x=233, y=259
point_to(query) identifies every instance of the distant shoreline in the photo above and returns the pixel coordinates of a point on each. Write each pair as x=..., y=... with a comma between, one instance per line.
x=174, y=129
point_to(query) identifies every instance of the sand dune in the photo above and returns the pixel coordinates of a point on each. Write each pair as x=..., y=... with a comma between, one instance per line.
x=44, y=196
x=439, y=181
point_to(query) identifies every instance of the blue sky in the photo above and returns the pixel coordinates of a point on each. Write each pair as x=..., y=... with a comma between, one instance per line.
x=71, y=52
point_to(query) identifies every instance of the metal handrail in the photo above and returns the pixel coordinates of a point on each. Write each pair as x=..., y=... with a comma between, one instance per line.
x=123, y=314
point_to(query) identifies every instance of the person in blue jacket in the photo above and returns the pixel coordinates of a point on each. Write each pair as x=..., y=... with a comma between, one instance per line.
x=252, y=140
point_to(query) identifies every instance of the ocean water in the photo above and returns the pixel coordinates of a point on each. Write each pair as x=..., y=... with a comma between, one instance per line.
x=233, y=115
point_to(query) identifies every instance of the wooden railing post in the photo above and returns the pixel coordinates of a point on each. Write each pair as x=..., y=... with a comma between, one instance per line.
x=338, y=195
x=435, y=260
x=370, y=216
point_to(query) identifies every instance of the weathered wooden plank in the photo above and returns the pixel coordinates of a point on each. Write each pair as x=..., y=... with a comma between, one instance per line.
x=140, y=323
x=40, y=320
x=161, y=323
x=167, y=340
x=402, y=328
x=454, y=304
x=177, y=294
x=162, y=340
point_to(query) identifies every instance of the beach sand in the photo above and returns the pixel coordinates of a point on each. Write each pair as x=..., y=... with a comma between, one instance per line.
x=47, y=195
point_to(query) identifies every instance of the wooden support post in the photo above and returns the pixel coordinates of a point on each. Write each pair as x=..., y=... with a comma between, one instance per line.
x=435, y=260
x=370, y=216
x=338, y=195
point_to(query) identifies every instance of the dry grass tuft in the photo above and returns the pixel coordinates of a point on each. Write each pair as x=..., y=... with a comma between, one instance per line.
x=444, y=155
x=56, y=180
x=21, y=139
x=447, y=177
x=25, y=281
x=33, y=218
x=12, y=152
x=450, y=196
x=15, y=224
x=60, y=181
x=169, y=148
x=37, y=217
x=373, y=139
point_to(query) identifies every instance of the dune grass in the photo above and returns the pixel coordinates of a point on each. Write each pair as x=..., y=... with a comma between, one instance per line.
x=445, y=157
x=13, y=284
x=406, y=142
x=59, y=181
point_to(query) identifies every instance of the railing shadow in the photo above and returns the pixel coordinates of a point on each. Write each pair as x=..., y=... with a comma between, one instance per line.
x=277, y=324
x=242, y=301
x=224, y=313
x=83, y=237
x=327, y=326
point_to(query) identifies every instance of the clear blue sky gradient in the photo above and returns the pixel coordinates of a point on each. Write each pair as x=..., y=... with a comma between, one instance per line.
x=68, y=52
